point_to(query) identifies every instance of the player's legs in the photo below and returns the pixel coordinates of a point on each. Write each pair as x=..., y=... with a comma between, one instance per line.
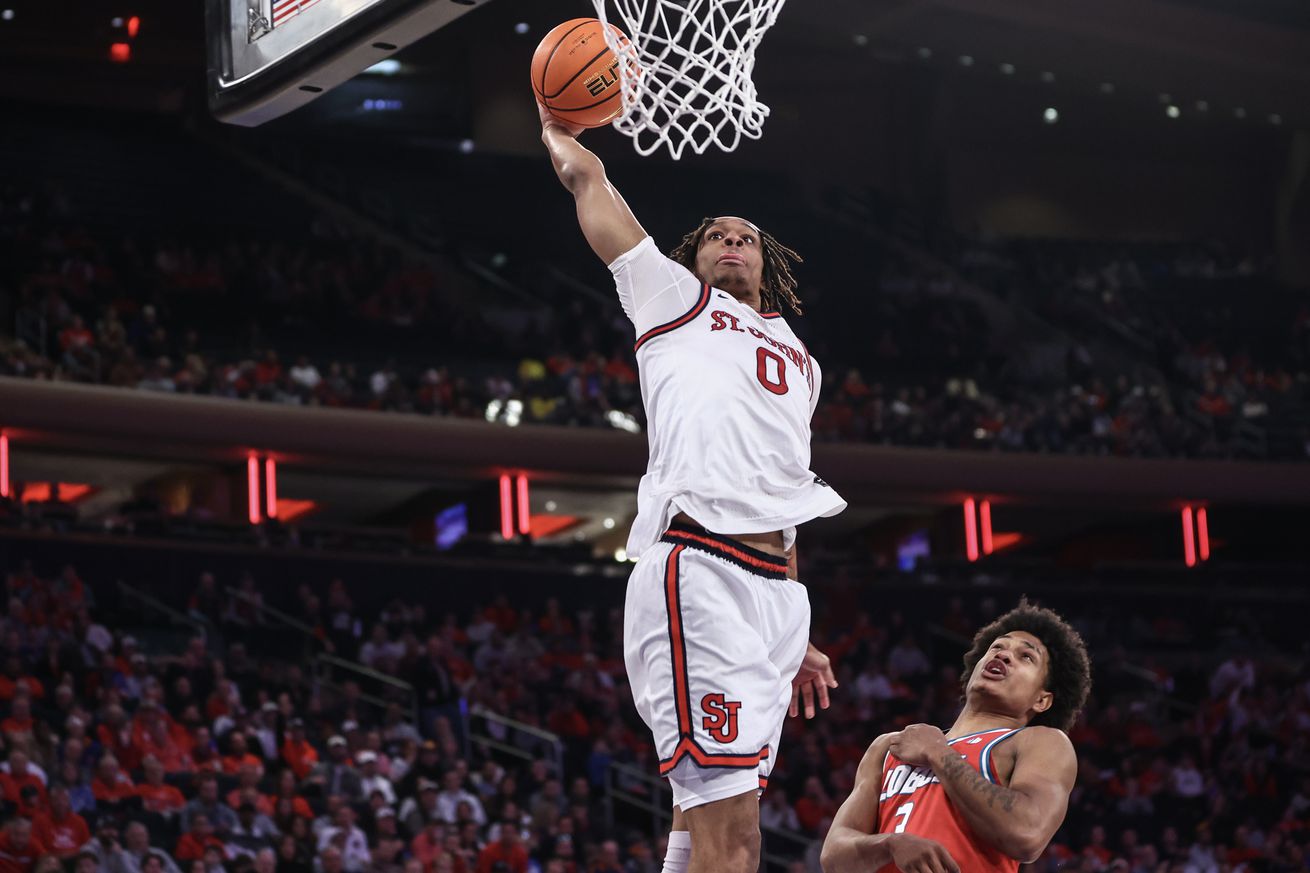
x=725, y=835
x=700, y=642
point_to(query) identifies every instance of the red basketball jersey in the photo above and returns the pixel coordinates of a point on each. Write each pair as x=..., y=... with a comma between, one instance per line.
x=913, y=801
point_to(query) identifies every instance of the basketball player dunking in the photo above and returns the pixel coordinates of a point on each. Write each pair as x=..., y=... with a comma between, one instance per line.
x=989, y=793
x=715, y=631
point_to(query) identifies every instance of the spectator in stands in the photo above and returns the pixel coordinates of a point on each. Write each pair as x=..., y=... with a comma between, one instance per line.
x=371, y=780
x=776, y=812
x=20, y=849
x=814, y=806
x=219, y=818
x=81, y=798
x=906, y=659
x=506, y=853
x=157, y=796
x=344, y=836
x=297, y=752
x=21, y=775
x=135, y=853
x=239, y=757
x=111, y=786
x=453, y=794
x=387, y=850
x=62, y=831
x=429, y=844
x=293, y=856
x=336, y=775
x=252, y=832
x=198, y=838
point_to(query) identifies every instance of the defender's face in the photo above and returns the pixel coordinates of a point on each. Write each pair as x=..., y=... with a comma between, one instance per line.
x=730, y=255
x=1012, y=673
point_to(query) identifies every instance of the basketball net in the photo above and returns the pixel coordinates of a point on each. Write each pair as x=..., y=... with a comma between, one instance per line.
x=687, y=76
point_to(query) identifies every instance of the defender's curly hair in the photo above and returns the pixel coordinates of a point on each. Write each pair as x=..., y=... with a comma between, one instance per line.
x=778, y=285
x=1068, y=670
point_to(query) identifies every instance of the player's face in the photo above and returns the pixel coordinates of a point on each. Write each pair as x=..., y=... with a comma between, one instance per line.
x=730, y=256
x=1012, y=674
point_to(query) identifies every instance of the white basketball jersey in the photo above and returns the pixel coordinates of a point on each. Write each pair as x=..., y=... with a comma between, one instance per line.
x=729, y=393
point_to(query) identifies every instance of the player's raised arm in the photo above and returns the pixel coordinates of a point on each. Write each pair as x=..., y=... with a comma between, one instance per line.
x=853, y=844
x=606, y=221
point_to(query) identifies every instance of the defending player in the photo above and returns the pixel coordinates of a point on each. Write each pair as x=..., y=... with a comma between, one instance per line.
x=989, y=793
x=715, y=634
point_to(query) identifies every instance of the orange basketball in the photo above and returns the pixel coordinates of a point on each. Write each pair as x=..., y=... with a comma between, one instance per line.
x=576, y=76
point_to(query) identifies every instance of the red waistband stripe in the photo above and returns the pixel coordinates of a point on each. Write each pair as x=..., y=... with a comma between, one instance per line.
x=763, y=563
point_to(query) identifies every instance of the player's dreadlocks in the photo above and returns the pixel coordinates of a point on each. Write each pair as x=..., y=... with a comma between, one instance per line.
x=779, y=285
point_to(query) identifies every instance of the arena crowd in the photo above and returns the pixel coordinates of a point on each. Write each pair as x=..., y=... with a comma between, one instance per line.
x=225, y=757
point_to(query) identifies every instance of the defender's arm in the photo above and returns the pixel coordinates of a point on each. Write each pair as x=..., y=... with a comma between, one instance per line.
x=1022, y=818
x=853, y=844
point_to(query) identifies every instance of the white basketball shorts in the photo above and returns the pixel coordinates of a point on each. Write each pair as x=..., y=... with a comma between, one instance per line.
x=713, y=634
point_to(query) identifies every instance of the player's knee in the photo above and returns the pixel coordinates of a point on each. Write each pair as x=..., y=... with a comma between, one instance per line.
x=731, y=846
x=735, y=853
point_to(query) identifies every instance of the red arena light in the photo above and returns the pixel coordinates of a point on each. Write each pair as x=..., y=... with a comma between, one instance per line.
x=1202, y=534
x=270, y=487
x=506, y=509
x=120, y=52
x=1189, y=540
x=525, y=516
x=252, y=489
x=970, y=530
x=4, y=465
x=133, y=26
x=985, y=514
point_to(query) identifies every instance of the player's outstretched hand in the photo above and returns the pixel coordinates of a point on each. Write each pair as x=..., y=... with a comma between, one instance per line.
x=548, y=120
x=913, y=854
x=919, y=744
x=812, y=681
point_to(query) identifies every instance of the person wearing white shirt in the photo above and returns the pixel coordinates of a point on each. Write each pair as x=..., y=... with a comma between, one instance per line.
x=452, y=795
x=371, y=780
x=349, y=839
x=305, y=374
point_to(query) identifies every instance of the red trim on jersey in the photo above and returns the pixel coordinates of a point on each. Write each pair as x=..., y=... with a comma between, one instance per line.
x=678, y=646
x=687, y=746
x=716, y=546
x=677, y=322
x=764, y=782
x=682, y=686
x=770, y=315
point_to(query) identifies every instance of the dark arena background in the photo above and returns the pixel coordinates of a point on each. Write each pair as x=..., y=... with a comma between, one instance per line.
x=319, y=437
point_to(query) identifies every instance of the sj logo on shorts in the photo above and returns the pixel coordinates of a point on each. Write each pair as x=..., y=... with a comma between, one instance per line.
x=720, y=717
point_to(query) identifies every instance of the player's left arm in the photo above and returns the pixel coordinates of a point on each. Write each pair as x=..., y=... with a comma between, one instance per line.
x=1021, y=818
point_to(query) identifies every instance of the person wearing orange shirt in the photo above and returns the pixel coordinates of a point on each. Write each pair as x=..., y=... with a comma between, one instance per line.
x=195, y=842
x=247, y=790
x=507, y=853
x=14, y=680
x=156, y=795
x=430, y=843
x=18, y=726
x=157, y=740
x=21, y=779
x=239, y=756
x=297, y=752
x=61, y=830
x=287, y=789
x=19, y=847
x=117, y=736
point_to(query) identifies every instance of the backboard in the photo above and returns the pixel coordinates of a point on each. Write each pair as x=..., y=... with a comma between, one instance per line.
x=268, y=57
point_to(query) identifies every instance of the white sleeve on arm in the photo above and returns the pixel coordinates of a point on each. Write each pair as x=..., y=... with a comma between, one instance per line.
x=817, y=372
x=653, y=289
